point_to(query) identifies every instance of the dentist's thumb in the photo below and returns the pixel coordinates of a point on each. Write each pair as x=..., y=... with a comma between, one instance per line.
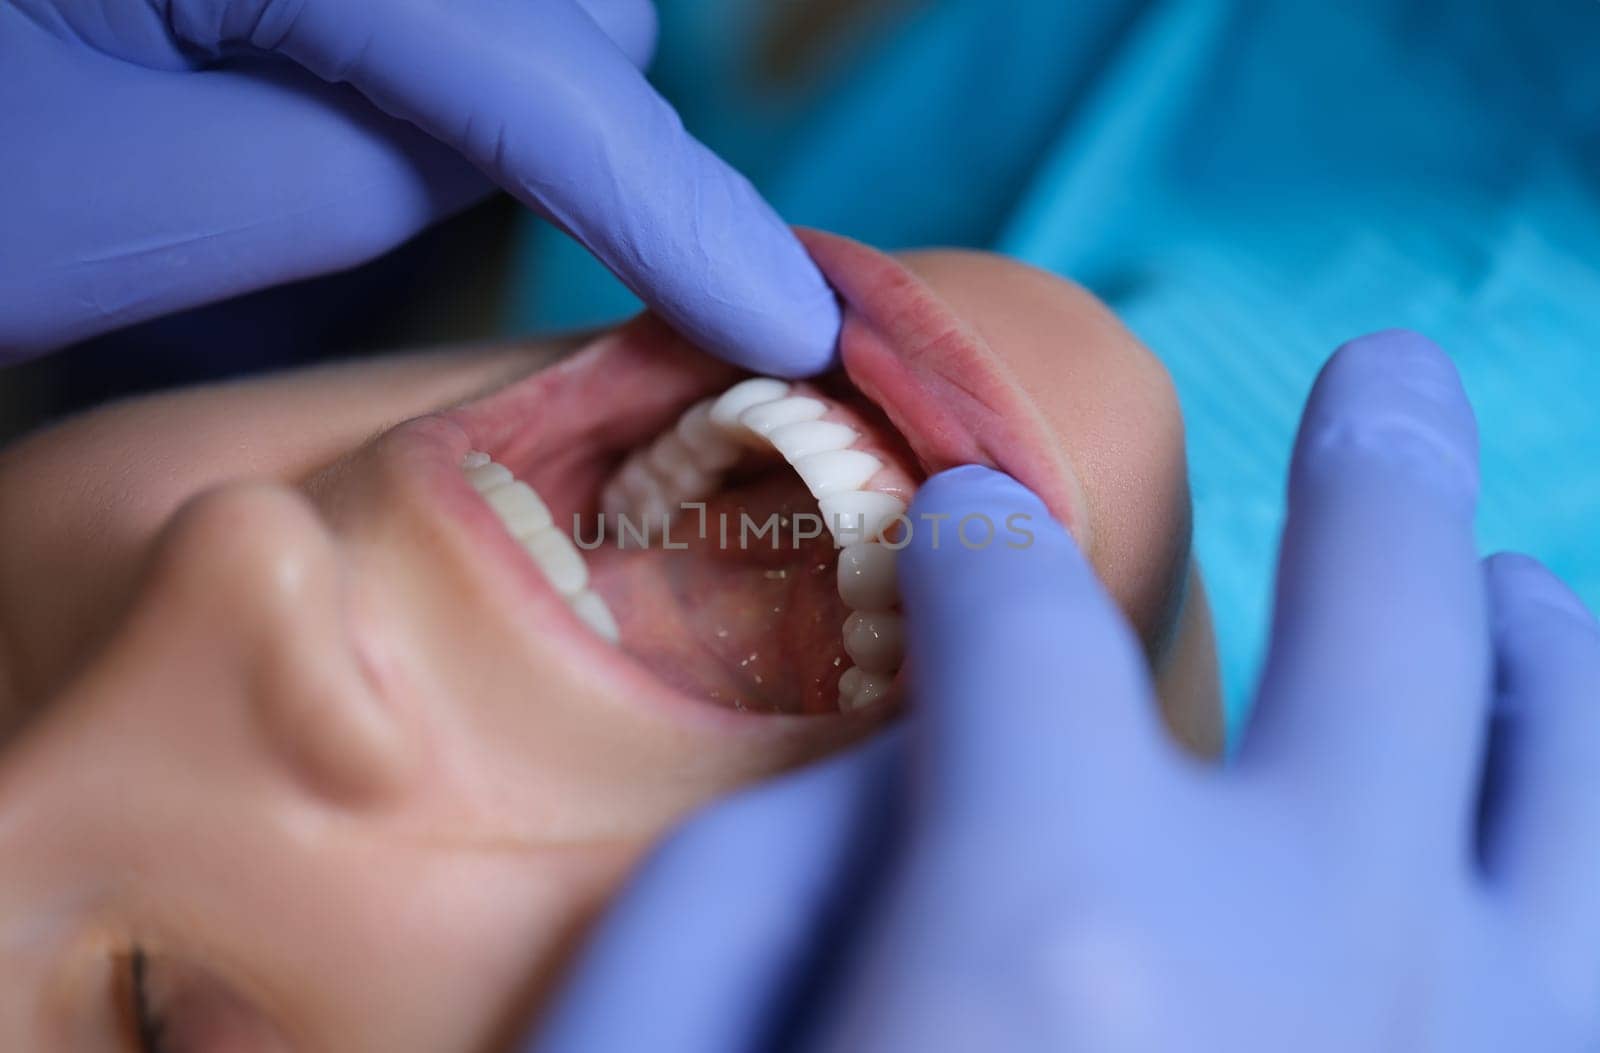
x=1026, y=682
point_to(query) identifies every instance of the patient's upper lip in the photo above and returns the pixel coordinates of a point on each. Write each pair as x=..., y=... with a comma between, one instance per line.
x=940, y=383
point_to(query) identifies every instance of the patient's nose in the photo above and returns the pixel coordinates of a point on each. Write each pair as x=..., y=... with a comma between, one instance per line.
x=251, y=569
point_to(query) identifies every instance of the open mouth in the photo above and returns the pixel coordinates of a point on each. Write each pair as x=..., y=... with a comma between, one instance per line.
x=737, y=536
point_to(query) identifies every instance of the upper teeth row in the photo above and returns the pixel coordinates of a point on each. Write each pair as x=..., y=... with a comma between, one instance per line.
x=686, y=463
x=527, y=518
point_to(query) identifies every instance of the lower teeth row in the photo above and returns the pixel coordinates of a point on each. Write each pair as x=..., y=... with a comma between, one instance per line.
x=687, y=463
x=527, y=518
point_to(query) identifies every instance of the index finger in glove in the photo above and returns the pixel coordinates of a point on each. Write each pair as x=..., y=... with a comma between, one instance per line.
x=536, y=94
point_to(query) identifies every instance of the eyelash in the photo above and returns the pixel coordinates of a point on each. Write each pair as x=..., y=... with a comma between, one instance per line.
x=149, y=1028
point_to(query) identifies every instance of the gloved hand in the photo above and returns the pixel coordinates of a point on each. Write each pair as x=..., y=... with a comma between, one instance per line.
x=1405, y=855
x=160, y=154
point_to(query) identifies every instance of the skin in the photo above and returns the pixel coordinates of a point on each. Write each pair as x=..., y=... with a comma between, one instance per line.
x=271, y=721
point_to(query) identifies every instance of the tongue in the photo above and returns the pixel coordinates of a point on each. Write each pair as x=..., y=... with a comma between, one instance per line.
x=745, y=614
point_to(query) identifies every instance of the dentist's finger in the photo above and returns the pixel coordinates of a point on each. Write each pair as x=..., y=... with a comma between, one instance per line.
x=1541, y=841
x=631, y=24
x=540, y=98
x=1029, y=693
x=227, y=181
x=713, y=941
x=1377, y=676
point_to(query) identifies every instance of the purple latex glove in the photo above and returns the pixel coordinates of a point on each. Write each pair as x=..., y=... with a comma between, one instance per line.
x=160, y=154
x=1406, y=855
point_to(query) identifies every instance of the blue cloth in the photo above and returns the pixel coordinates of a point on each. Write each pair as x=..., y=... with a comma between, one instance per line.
x=1248, y=184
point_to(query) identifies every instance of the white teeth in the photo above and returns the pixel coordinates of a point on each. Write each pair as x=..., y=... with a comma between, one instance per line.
x=613, y=502
x=527, y=518
x=486, y=477
x=859, y=515
x=559, y=558
x=804, y=438
x=686, y=463
x=766, y=417
x=859, y=688
x=645, y=501
x=673, y=462
x=519, y=507
x=836, y=471
x=874, y=635
x=875, y=640
x=726, y=410
x=653, y=485
x=867, y=580
x=653, y=511
x=711, y=450
x=637, y=481
x=589, y=607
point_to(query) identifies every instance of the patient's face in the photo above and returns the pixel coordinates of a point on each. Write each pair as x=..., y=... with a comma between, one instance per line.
x=300, y=751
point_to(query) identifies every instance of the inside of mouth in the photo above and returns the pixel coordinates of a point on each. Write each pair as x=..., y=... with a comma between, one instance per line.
x=737, y=600
x=744, y=621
